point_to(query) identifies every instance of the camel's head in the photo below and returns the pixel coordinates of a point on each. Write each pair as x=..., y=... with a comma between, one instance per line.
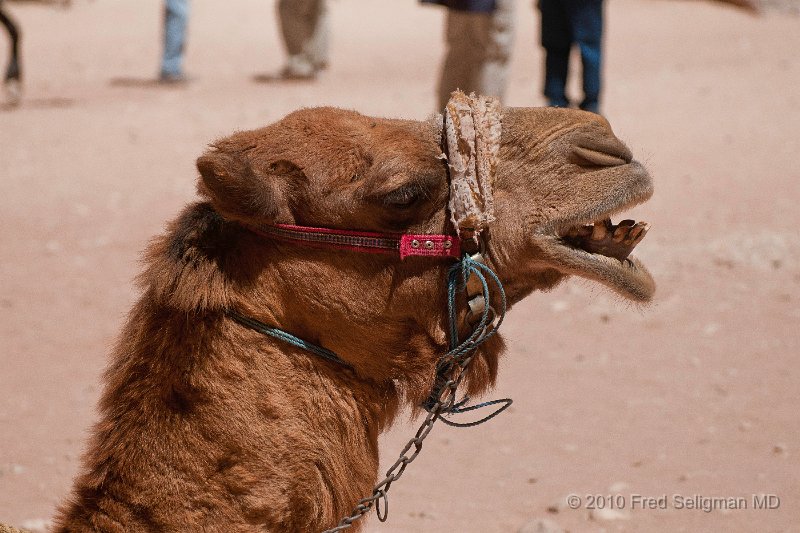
x=561, y=176
x=558, y=172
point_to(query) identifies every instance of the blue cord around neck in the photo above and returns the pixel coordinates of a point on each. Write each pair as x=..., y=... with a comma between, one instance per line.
x=287, y=337
x=482, y=331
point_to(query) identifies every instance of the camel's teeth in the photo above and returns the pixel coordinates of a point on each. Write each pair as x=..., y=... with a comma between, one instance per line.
x=602, y=221
x=638, y=232
x=599, y=231
x=631, y=237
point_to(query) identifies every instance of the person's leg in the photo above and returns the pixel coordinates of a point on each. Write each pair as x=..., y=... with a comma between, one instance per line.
x=304, y=28
x=587, y=25
x=498, y=41
x=557, y=41
x=12, y=80
x=13, y=70
x=319, y=44
x=465, y=48
x=176, y=16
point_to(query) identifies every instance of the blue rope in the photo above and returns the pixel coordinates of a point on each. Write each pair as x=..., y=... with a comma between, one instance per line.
x=289, y=338
x=481, y=332
x=467, y=267
x=485, y=328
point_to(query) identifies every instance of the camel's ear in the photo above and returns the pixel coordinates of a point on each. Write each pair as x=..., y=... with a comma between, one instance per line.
x=237, y=191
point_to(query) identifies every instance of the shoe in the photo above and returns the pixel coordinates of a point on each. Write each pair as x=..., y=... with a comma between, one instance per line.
x=557, y=103
x=167, y=78
x=13, y=90
x=298, y=68
x=593, y=107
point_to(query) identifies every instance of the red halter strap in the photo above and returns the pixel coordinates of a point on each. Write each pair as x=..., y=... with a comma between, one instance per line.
x=366, y=241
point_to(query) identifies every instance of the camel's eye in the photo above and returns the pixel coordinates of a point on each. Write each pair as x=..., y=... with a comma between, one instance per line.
x=404, y=197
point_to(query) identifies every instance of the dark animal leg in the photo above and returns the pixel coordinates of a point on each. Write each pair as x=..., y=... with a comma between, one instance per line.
x=13, y=70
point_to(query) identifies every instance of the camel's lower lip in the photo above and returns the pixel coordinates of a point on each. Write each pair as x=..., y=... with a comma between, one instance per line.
x=629, y=277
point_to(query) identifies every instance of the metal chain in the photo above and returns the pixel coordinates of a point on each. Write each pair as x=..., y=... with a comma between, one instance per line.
x=379, y=497
x=450, y=372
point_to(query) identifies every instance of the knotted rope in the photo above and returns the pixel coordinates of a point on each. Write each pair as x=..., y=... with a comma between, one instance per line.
x=461, y=352
x=472, y=133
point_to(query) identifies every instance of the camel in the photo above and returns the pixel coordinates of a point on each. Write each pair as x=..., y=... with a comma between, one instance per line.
x=206, y=424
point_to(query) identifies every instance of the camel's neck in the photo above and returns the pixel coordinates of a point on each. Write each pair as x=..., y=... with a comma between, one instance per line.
x=207, y=425
x=210, y=426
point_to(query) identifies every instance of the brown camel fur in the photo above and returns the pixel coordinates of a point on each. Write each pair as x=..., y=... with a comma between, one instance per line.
x=208, y=426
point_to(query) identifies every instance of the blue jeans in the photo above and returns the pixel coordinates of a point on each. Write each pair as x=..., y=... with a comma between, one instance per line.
x=564, y=23
x=176, y=16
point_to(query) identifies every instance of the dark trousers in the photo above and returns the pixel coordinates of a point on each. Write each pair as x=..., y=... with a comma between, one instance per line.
x=12, y=72
x=564, y=23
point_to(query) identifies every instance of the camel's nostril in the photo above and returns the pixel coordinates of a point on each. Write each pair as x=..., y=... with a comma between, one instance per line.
x=596, y=146
x=589, y=157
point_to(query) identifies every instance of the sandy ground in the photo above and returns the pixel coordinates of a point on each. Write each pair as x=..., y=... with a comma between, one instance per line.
x=695, y=396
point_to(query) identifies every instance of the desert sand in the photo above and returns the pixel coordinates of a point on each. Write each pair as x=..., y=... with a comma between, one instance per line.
x=694, y=397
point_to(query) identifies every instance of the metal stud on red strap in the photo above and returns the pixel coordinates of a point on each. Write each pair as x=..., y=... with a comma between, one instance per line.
x=406, y=245
x=430, y=246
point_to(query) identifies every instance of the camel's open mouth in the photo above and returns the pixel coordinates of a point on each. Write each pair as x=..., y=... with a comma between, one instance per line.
x=605, y=238
x=601, y=250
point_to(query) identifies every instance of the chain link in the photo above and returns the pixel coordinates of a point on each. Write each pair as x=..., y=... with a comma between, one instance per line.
x=379, y=497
